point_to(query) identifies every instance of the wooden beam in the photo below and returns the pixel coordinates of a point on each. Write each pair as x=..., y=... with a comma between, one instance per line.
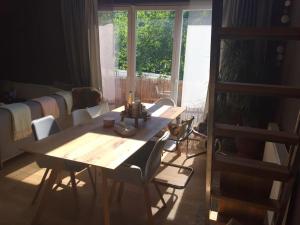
x=258, y=89
x=279, y=33
x=217, y=11
x=224, y=218
x=226, y=130
x=247, y=199
x=251, y=167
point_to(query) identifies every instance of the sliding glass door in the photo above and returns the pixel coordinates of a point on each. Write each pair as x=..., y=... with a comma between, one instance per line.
x=156, y=52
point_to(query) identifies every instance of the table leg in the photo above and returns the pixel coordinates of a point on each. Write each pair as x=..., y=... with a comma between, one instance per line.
x=50, y=182
x=104, y=198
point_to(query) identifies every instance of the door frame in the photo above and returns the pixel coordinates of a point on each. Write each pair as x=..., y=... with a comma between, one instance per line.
x=179, y=8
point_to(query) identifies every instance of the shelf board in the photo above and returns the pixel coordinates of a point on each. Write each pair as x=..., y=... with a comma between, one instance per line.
x=248, y=200
x=250, y=167
x=224, y=218
x=233, y=131
x=276, y=33
x=258, y=89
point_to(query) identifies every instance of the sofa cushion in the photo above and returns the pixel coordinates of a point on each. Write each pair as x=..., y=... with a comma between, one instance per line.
x=85, y=97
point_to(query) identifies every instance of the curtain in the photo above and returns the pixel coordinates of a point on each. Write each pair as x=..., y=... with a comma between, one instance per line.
x=80, y=26
x=107, y=53
x=94, y=44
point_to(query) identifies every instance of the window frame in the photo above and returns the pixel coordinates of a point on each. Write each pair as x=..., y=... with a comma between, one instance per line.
x=178, y=8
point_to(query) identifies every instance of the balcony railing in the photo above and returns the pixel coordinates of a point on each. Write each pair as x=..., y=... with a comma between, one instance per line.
x=147, y=89
x=151, y=89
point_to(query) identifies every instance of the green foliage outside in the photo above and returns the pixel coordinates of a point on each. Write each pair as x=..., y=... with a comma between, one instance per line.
x=154, y=39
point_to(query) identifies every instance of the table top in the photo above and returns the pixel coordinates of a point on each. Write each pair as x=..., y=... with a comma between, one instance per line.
x=92, y=144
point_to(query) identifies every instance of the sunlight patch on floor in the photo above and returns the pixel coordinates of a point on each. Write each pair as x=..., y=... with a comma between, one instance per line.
x=23, y=173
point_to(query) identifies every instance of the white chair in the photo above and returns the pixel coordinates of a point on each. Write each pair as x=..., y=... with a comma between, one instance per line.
x=98, y=110
x=165, y=101
x=81, y=116
x=43, y=128
x=141, y=169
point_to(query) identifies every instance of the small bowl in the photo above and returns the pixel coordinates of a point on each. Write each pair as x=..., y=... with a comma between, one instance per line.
x=125, y=130
x=108, y=122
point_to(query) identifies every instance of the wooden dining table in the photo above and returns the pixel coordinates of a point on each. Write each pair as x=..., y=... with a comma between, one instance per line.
x=92, y=144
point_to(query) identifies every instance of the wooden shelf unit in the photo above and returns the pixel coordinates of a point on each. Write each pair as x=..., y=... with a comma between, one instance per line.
x=277, y=33
x=231, y=164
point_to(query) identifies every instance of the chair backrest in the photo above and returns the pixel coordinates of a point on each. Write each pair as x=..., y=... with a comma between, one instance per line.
x=182, y=130
x=81, y=116
x=44, y=127
x=154, y=160
x=165, y=101
x=186, y=127
x=98, y=110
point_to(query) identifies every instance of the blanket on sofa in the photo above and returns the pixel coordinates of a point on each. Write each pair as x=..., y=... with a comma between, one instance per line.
x=21, y=119
x=68, y=99
x=49, y=106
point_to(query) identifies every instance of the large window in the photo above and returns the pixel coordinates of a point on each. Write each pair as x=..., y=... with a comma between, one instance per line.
x=160, y=51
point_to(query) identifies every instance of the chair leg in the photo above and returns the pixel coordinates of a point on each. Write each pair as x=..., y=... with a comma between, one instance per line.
x=74, y=186
x=148, y=205
x=121, y=190
x=58, y=183
x=92, y=180
x=187, y=144
x=160, y=195
x=177, y=148
x=45, y=195
x=40, y=186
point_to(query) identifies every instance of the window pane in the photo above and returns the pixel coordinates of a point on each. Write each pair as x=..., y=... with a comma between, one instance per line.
x=154, y=45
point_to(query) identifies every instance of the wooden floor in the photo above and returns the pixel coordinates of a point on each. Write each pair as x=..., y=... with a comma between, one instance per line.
x=20, y=176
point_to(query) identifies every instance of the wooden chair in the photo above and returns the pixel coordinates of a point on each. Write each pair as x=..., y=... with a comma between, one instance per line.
x=140, y=170
x=42, y=128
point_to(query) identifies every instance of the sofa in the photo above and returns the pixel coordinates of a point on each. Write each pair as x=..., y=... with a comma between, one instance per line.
x=10, y=148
